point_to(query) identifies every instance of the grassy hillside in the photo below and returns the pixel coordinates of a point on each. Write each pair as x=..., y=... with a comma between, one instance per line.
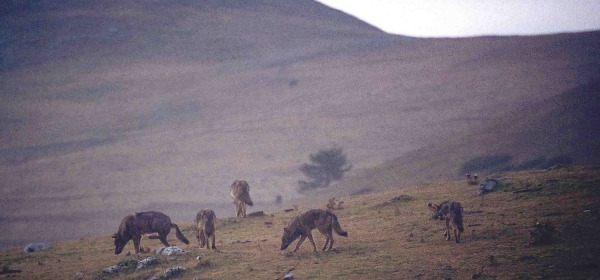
x=391, y=236
x=559, y=130
x=108, y=108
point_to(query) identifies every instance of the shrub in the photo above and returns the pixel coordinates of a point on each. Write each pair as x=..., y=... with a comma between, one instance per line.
x=326, y=166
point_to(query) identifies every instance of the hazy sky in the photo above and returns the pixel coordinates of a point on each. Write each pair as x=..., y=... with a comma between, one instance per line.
x=456, y=18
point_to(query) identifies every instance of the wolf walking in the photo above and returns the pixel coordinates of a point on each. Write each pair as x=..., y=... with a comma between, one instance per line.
x=302, y=225
x=240, y=192
x=136, y=224
x=452, y=213
x=205, y=223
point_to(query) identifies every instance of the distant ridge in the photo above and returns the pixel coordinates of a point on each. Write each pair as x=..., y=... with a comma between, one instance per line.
x=96, y=33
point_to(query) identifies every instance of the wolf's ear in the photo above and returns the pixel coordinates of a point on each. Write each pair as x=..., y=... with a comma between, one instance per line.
x=430, y=205
x=286, y=230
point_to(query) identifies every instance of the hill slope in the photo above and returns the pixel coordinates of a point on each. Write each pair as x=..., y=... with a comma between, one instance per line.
x=391, y=235
x=560, y=130
x=108, y=108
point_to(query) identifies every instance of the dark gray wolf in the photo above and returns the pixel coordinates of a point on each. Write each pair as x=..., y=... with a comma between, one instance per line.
x=136, y=224
x=302, y=225
x=205, y=223
x=452, y=213
x=240, y=192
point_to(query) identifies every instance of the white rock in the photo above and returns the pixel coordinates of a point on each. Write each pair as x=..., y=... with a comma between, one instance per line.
x=171, y=251
x=112, y=269
x=35, y=247
x=147, y=262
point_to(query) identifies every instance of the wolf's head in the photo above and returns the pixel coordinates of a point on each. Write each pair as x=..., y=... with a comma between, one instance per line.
x=120, y=243
x=287, y=238
x=437, y=214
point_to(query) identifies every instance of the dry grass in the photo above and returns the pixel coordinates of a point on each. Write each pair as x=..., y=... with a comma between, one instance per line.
x=388, y=238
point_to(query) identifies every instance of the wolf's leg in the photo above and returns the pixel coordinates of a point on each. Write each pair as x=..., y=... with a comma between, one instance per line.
x=207, y=238
x=136, y=243
x=238, y=208
x=326, y=243
x=213, y=241
x=448, y=236
x=457, y=235
x=201, y=238
x=299, y=243
x=244, y=209
x=328, y=232
x=312, y=241
x=163, y=239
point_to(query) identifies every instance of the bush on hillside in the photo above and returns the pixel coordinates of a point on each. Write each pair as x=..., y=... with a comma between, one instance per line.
x=326, y=166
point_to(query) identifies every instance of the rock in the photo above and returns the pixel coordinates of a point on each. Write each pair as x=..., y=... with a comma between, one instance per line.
x=256, y=214
x=487, y=186
x=171, y=251
x=147, y=262
x=35, y=247
x=112, y=269
x=174, y=271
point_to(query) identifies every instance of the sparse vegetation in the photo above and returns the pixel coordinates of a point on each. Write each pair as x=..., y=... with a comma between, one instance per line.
x=391, y=236
x=326, y=166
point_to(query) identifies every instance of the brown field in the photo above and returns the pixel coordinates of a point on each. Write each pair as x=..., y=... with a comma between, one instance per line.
x=391, y=236
x=108, y=108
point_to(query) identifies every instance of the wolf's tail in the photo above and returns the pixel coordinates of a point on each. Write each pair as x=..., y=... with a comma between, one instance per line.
x=246, y=198
x=179, y=234
x=336, y=226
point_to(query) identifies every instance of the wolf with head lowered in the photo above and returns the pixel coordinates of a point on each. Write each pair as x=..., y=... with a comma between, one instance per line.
x=302, y=225
x=136, y=224
x=452, y=213
x=240, y=192
x=205, y=224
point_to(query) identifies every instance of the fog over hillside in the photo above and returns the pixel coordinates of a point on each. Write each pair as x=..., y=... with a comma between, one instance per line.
x=114, y=107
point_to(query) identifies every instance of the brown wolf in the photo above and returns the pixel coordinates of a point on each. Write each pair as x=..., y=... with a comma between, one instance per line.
x=452, y=213
x=240, y=192
x=136, y=224
x=302, y=225
x=205, y=223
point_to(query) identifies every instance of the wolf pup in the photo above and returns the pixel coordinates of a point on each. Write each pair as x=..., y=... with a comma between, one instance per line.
x=302, y=225
x=452, y=213
x=240, y=192
x=136, y=224
x=205, y=223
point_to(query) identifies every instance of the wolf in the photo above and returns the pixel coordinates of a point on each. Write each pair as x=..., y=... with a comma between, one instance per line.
x=240, y=192
x=205, y=223
x=136, y=224
x=302, y=225
x=452, y=213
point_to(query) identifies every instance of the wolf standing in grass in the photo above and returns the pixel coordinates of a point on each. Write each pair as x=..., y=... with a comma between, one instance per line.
x=452, y=213
x=302, y=225
x=136, y=224
x=205, y=223
x=240, y=192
